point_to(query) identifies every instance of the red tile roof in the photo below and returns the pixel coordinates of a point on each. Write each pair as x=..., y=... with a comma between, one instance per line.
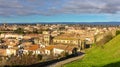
x=33, y=47
x=49, y=47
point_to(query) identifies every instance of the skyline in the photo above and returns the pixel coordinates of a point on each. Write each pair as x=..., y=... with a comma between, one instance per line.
x=59, y=11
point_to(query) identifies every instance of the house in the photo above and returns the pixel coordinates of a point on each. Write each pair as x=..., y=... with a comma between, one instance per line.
x=41, y=50
x=10, y=52
x=59, y=49
x=49, y=49
x=27, y=44
x=11, y=43
x=7, y=52
x=3, y=52
x=67, y=39
x=55, y=33
x=15, y=36
x=32, y=48
x=29, y=36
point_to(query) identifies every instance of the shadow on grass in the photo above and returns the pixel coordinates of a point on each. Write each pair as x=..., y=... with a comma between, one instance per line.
x=117, y=64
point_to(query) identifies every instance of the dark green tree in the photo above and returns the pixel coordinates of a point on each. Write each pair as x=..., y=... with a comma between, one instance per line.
x=106, y=39
x=39, y=57
x=74, y=51
x=35, y=31
x=19, y=31
x=117, y=32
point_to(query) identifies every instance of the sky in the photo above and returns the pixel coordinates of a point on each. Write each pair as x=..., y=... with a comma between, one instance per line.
x=20, y=11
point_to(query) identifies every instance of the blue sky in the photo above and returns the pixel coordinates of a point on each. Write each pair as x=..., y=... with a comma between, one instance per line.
x=59, y=11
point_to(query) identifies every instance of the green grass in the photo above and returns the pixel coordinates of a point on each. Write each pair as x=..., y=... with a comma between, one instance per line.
x=107, y=56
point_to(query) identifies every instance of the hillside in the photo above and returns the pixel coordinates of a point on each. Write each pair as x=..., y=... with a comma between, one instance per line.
x=106, y=56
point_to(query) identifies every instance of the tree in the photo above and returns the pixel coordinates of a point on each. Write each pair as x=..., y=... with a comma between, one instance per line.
x=62, y=28
x=66, y=54
x=117, y=32
x=39, y=57
x=74, y=51
x=35, y=31
x=19, y=31
x=106, y=39
x=25, y=59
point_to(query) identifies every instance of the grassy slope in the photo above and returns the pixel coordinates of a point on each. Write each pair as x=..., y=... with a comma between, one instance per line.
x=97, y=56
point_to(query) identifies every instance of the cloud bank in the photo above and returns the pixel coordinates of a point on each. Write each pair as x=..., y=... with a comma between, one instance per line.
x=52, y=7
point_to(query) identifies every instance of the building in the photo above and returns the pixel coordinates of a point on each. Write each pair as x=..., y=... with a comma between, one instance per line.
x=46, y=37
x=67, y=39
x=32, y=48
x=7, y=52
x=56, y=50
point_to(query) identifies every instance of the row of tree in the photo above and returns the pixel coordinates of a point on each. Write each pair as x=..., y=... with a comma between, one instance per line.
x=107, y=38
x=24, y=60
x=36, y=31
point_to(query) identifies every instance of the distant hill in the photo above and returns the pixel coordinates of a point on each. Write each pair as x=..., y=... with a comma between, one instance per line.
x=106, y=56
x=105, y=23
x=93, y=23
